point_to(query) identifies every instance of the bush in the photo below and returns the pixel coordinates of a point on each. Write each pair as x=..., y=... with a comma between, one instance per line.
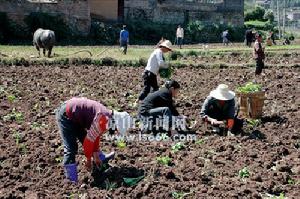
x=56, y=23
x=4, y=27
x=104, y=34
x=269, y=16
x=148, y=32
x=256, y=14
x=192, y=53
x=198, y=31
x=109, y=61
x=174, y=55
x=259, y=25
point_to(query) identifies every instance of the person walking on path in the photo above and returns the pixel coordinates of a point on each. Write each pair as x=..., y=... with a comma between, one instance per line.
x=179, y=36
x=124, y=39
x=258, y=54
x=155, y=62
x=219, y=109
x=86, y=120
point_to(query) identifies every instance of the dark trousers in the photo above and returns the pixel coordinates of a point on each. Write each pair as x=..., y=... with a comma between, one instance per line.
x=248, y=42
x=124, y=46
x=179, y=41
x=70, y=132
x=151, y=119
x=150, y=81
x=259, y=66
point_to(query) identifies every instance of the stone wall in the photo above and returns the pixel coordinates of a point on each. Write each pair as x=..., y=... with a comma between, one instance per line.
x=76, y=13
x=106, y=10
x=183, y=11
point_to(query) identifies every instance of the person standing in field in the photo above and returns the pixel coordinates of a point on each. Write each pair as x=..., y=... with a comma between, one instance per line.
x=225, y=36
x=179, y=36
x=249, y=37
x=258, y=54
x=272, y=36
x=155, y=62
x=124, y=39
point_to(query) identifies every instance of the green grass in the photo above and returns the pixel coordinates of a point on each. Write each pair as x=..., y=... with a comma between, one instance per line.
x=134, y=53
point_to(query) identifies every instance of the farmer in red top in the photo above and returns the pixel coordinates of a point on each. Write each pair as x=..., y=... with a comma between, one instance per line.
x=85, y=120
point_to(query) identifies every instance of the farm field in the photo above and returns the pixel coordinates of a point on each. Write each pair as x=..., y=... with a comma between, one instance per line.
x=263, y=162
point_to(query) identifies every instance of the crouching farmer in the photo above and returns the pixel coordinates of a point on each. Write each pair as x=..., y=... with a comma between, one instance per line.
x=84, y=120
x=219, y=110
x=160, y=105
x=44, y=39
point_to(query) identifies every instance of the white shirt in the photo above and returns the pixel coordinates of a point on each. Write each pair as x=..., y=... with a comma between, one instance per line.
x=155, y=62
x=180, y=32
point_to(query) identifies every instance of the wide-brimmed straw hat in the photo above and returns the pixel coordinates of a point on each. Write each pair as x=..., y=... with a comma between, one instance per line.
x=222, y=92
x=167, y=44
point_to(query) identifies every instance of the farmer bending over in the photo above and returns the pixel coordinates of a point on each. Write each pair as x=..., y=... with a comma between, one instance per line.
x=155, y=62
x=219, y=109
x=85, y=120
x=160, y=105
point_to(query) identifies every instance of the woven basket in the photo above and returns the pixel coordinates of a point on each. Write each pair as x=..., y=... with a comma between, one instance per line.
x=251, y=104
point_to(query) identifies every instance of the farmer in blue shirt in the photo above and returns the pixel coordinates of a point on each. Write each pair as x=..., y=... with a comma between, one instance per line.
x=124, y=39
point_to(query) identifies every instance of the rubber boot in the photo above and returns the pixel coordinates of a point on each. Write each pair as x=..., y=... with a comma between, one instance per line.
x=71, y=172
x=106, y=157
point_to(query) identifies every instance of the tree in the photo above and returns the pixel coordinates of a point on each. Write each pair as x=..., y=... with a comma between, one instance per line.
x=269, y=15
x=256, y=14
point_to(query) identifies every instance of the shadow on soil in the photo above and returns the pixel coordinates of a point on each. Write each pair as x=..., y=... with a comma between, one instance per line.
x=274, y=119
x=112, y=177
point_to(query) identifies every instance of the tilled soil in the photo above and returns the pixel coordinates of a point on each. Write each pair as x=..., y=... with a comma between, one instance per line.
x=31, y=151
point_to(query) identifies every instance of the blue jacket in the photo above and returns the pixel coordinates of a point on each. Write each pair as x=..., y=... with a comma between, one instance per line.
x=124, y=35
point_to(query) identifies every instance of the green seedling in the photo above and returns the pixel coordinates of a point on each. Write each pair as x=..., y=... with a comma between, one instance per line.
x=121, y=144
x=59, y=159
x=253, y=123
x=37, y=126
x=250, y=88
x=244, y=173
x=179, y=195
x=133, y=181
x=199, y=142
x=23, y=149
x=11, y=98
x=17, y=137
x=291, y=181
x=281, y=196
x=164, y=160
x=178, y=146
x=110, y=185
x=14, y=116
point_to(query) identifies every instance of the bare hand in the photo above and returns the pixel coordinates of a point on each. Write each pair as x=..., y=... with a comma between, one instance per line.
x=97, y=158
x=216, y=122
x=88, y=165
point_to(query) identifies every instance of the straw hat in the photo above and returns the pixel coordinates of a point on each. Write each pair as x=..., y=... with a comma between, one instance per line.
x=167, y=44
x=222, y=92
